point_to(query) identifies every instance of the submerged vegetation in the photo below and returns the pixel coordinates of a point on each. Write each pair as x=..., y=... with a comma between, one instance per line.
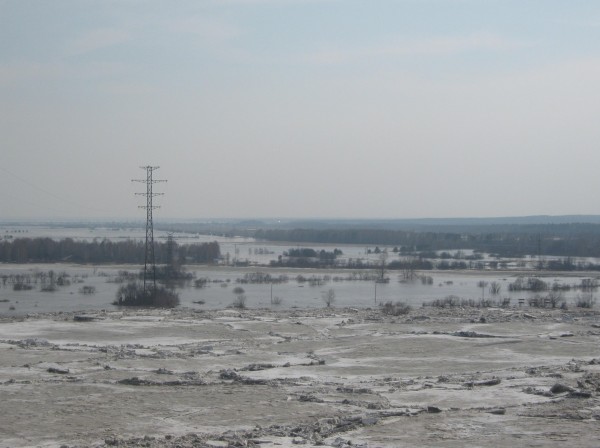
x=453, y=301
x=133, y=294
x=407, y=263
x=47, y=281
x=532, y=292
x=395, y=309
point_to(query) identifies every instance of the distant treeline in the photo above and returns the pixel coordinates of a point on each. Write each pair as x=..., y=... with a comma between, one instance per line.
x=47, y=250
x=558, y=240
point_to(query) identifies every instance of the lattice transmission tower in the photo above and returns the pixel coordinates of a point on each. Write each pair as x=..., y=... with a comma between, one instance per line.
x=149, y=260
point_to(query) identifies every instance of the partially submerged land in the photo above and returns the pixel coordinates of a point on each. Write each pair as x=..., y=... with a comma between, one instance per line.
x=323, y=377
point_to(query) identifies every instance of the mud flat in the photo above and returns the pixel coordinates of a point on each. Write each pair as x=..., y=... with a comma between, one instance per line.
x=339, y=377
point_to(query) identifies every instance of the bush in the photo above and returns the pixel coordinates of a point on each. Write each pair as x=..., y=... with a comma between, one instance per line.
x=587, y=301
x=395, y=309
x=240, y=301
x=588, y=284
x=531, y=284
x=261, y=277
x=201, y=282
x=62, y=280
x=133, y=294
x=446, y=302
x=426, y=280
x=455, y=301
x=554, y=299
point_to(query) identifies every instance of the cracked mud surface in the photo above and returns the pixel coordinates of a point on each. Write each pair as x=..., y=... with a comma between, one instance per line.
x=340, y=377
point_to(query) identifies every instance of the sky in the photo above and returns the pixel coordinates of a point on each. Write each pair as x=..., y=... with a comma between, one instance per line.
x=299, y=108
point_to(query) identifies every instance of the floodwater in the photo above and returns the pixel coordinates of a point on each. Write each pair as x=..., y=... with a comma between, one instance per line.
x=218, y=292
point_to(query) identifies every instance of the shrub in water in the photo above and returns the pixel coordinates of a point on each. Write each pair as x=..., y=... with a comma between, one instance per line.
x=240, y=301
x=201, y=282
x=133, y=294
x=329, y=298
x=587, y=301
x=395, y=309
x=553, y=300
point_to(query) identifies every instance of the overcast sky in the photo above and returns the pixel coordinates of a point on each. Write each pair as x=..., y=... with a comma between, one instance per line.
x=300, y=108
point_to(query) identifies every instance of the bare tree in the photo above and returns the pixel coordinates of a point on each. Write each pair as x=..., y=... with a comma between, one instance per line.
x=408, y=272
x=482, y=284
x=382, y=263
x=329, y=297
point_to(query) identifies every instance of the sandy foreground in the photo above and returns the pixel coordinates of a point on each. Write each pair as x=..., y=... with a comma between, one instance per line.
x=329, y=377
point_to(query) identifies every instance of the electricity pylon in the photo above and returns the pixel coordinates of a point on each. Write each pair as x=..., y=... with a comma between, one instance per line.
x=149, y=259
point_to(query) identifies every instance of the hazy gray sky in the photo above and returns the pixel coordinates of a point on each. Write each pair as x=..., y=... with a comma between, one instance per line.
x=300, y=108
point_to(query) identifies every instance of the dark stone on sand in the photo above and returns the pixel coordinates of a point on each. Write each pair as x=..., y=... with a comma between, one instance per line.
x=580, y=394
x=559, y=388
x=228, y=374
x=472, y=334
x=491, y=382
x=83, y=318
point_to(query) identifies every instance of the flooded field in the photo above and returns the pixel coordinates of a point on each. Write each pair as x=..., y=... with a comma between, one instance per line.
x=294, y=288
x=304, y=288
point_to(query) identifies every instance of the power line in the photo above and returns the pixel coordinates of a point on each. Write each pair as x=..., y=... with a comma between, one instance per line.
x=51, y=194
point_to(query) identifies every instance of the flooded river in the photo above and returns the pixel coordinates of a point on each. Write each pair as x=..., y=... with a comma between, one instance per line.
x=218, y=291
